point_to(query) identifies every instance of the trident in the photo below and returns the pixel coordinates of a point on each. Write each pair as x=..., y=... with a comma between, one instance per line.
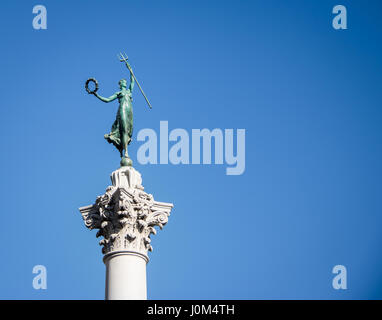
x=123, y=58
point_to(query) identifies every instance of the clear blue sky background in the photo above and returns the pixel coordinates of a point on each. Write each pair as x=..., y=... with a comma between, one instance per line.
x=308, y=96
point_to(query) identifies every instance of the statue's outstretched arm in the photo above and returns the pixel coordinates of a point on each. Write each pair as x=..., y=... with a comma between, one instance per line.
x=111, y=98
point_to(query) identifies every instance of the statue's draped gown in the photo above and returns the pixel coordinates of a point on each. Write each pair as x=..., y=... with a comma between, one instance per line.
x=122, y=129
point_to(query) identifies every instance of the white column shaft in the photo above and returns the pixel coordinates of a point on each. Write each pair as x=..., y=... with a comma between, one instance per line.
x=125, y=276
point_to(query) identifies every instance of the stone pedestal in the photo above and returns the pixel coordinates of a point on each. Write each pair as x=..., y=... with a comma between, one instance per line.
x=125, y=217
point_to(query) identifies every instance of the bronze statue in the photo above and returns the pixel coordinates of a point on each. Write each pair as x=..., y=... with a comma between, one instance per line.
x=122, y=129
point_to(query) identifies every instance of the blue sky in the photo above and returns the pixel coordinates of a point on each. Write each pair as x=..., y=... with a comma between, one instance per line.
x=308, y=96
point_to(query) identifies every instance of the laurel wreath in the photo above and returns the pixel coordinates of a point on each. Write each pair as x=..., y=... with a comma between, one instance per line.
x=87, y=85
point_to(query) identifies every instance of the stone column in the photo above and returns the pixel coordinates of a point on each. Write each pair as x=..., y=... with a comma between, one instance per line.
x=125, y=217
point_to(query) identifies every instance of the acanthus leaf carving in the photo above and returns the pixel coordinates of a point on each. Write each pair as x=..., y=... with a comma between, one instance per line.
x=125, y=215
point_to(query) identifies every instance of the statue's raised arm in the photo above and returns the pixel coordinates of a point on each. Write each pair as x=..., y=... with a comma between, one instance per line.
x=132, y=82
x=123, y=58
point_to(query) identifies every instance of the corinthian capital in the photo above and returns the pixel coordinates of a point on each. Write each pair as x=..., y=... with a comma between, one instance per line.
x=125, y=215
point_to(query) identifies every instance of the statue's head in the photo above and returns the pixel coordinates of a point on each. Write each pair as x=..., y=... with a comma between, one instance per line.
x=122, y=83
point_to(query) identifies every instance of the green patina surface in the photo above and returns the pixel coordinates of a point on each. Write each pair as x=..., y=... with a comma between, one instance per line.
x=122, y=128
